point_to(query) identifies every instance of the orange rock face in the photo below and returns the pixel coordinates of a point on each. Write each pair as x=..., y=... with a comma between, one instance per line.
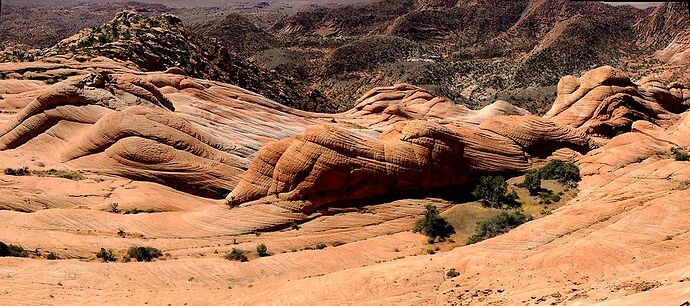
x=604, y=101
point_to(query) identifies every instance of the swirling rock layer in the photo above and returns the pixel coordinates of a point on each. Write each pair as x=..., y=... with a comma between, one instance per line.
x=604, y=101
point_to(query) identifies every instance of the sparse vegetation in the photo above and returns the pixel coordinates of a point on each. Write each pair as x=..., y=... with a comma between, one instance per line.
x=294, y=226
x=141, y=253
x=106, y=255
x=23, y=171
x=70, y=175
x=320, y=246
x=680, y=154
x=262, y=250
x=493, y=192
x=136, y=211
x=237, y=255
x=113, y=208
x=433, y=225
x=452, y=273
x=498, y=225
x=52, y=256
x=11, y=250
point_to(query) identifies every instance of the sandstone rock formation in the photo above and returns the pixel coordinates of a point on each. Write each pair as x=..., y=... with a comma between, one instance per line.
x=606, y=102
x=156, y=152
x=383, y=106
x=328, y=165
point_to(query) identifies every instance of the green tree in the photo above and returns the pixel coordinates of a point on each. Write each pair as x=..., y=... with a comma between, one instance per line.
x=532, y=181
x=433, y=225
x=498, y=225
x=493, y=192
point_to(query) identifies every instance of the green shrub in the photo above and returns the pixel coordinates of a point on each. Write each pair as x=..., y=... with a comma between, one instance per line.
x=23, y=171
x=262, y=250
x=680, y=155
x=294, y=226
x=433, y=225
x=320, y=246
x=564, y=172
x=141, y=253
x=498, y=225
x=493, y=192
x=237, y=255
x=548, y=197
x=452, y=273
x=11, y=250
x=106, y=255
x=52, y=256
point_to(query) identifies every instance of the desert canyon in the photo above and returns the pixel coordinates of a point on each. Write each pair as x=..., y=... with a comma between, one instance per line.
x=113, y=153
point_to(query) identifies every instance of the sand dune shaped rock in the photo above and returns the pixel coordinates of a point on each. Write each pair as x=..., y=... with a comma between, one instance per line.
x=152, y=144
x=83, y=100
x=604, y=101
x=327, y=164
x=383, y=106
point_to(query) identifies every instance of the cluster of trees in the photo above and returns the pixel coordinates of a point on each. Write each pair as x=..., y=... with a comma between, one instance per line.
x=564, y=172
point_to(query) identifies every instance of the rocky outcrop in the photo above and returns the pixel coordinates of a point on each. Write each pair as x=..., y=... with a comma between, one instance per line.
x=383, y=106
x=328, y=165
x=605, y=101
x=82, y=100
x=645, y=141
x=151, y=144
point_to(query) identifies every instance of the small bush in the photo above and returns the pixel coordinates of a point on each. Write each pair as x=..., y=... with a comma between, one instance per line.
x=493, y=192
x=113, y=208
x=548, y=197
x=294, y=226
x=237, y=255
x=141, y=253
x=106, y=255
x=52, y=256
x=680, y=155
x=320, y=246
x=498, y=225
x=11, y=250
x=433, y=225
x=23, y=171
x=262, y=250
x=452, y=273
